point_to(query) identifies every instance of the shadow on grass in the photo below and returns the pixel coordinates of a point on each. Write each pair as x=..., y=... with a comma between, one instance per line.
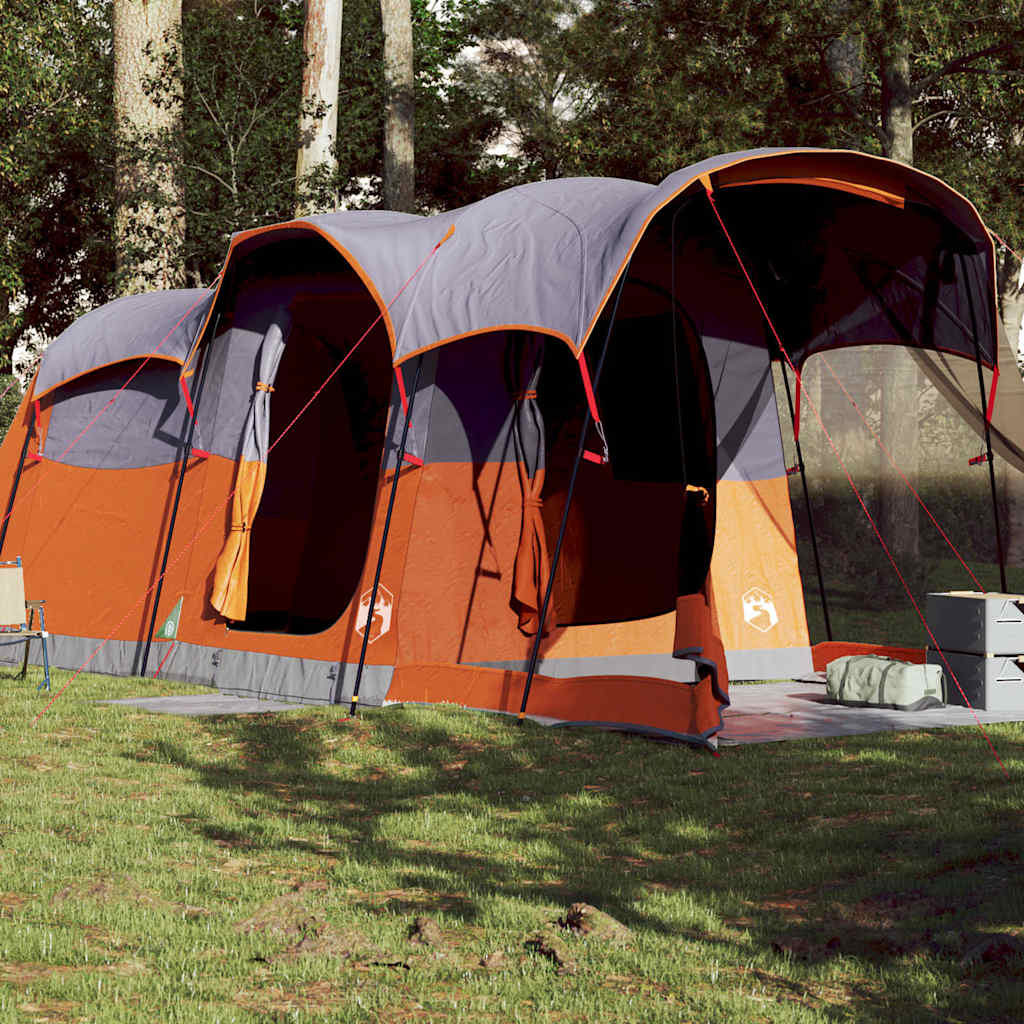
x=900, y=851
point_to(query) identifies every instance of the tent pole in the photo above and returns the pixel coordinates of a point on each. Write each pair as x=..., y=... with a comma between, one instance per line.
x=399, y=458
x=807, y=505
x=988, y=434
x=17, y=479
x=535, y=652
x=186, y=453
x=675, y=353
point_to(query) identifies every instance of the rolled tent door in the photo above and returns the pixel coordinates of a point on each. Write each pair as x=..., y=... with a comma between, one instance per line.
x=231, y=574
x=532, y=565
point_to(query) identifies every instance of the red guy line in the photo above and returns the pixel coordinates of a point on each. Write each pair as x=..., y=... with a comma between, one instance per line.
x=1006, y=245
x=113, y=399
x=163, y=660
x=220, y=508
x=853, y=486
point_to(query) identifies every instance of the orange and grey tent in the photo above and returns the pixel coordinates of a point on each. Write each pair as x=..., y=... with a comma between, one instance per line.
x=236, y=504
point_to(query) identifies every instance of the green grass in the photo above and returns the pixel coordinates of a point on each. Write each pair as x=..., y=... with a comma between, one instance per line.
x=851, y=879
x=876, y=609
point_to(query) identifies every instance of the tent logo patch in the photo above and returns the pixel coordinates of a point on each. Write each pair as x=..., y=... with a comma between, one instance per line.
x=380, y=623
x=169, y=630
x=759, y=609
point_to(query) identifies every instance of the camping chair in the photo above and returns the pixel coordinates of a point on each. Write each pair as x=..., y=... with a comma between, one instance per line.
x=13, y=625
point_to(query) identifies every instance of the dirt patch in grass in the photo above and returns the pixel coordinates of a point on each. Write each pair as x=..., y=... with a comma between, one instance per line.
x=286, y=917
x=36, y=763
x=425, y=932
x=239, y=866
x=124, y=890
x=52, y=1010
x=891, y=910
x=290, y=918
x=318, y=998
x=11, y=901
x=29, y=972
x=340, y=944
x=412, y=900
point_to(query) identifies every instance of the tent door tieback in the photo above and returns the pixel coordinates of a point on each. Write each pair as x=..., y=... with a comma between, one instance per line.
x=990, y=408
x=588, y=387
x=268, y=388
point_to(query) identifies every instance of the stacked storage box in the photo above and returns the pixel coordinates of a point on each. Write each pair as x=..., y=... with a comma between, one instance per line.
x=982, y=639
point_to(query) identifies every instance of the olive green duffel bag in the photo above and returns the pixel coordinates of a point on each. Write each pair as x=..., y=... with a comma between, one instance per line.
x=869, y=680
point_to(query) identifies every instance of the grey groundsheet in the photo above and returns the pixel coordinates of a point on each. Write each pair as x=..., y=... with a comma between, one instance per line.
x=201, y=704
x=761, y=713
x=769, y=712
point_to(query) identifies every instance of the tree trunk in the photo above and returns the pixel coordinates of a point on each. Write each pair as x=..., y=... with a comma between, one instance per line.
x=898, y=508
x=149, y=223
x=1011, y=308
x=399, y=181
x=318, y=116
x=897, y=102
x=845, y=56
x=901, y=383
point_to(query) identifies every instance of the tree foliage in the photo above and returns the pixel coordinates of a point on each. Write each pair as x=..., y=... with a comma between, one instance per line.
x=505, y=91
x=56, y=166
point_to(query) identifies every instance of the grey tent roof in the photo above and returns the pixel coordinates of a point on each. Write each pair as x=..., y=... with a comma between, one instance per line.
x=546, y=257
x=162, y=325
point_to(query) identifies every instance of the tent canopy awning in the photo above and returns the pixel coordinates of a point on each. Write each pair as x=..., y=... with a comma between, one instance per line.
x=158, y=325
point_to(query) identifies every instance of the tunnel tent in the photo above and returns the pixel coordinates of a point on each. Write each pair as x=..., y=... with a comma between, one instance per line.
x=496, y=411
x=505, y=322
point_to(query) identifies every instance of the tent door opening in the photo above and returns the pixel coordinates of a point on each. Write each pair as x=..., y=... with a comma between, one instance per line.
x=635, y=540
x=310, y=534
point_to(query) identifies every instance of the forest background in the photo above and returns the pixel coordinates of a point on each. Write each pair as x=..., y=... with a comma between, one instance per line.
x=138, y=135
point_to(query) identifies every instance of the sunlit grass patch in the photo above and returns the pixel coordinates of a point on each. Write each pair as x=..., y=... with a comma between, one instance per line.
x=868, y=878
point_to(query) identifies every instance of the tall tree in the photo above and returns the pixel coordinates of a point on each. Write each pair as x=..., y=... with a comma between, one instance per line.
x=318, y=117
x=899, y=70
x=900, y=424
x=399, y=124
x=56, y=157
x=150, y=219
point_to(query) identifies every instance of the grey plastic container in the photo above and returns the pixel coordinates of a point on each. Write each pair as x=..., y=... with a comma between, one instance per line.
x=963, y=620
x=992, y=682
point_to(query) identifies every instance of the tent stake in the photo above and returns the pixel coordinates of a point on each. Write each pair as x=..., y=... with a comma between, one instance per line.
x=807, y=505
x=535, y=651
x=399, y=458
x=186, y=453
x=17, y=479
x=988, y=433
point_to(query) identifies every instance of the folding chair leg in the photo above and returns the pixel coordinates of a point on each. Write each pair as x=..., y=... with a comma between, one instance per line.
x=46, y=665
x=24, y=663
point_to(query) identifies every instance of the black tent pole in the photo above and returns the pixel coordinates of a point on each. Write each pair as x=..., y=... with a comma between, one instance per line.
x=400, y=457
x=988, y=432
x=675, y=353
x=186, y=453
x=807, y=504
x=535, y=652
x=17, y=479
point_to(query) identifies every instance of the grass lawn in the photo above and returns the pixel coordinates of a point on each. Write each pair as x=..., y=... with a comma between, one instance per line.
x=155, y=868
x=859, y=612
